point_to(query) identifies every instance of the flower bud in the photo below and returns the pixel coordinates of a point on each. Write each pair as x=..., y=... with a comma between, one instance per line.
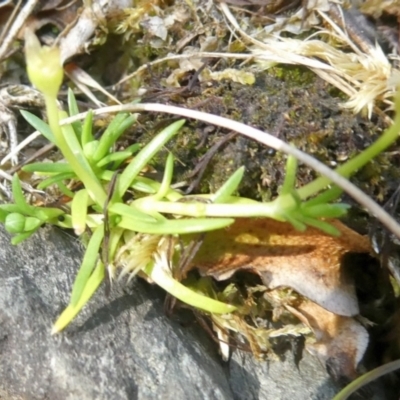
x=44, y=65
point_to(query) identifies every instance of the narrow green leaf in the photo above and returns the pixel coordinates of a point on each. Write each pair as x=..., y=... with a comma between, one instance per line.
x=19, y=198
x=81, y=165
x=87, y=129
x=141, y=183
x=55, y=179
x=133, y=148
x=21, y=237
x=39, y=125
x=71, y=138
x=79, y=207
x=299, y=225
x=145, y=155
x=48, y=168
x=115, y=237
x=226, y=190
x=119, y=156
x=10, y=208
x=74, y=110
x=72, y=310
x=175, y=226
x=64, y=189
x=72, y=104
x=116, y=128
x=167, y=178
x=144, y=185
x=46, y=213
x=325, y=210
x=150, y=186
x=88, y=263
x=290, y=176
x=161, y=277
x=322, y=225
x=3, y=215
x=325, y=197
x=131, y=212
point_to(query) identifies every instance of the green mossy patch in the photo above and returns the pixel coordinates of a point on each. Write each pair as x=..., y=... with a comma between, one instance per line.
x=289, y=102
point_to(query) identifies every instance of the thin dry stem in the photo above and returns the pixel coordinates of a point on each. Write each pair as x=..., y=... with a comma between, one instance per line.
x=196, y=55
x=16, y=26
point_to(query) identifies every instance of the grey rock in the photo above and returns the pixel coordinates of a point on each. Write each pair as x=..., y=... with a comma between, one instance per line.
x=122, y=347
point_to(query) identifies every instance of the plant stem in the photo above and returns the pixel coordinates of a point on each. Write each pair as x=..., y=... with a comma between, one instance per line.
x=349, y=168
x=252, y=209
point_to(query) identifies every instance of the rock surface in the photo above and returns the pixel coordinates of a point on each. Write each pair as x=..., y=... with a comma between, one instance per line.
x=122, y=347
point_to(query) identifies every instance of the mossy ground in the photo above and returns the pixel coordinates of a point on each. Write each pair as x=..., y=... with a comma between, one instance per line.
x=289, y=102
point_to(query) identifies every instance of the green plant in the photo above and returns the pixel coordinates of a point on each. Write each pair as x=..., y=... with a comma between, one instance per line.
x=137, y=232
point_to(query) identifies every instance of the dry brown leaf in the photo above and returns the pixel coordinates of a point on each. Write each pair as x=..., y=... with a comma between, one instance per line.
x=310, y=262
x=340, y=341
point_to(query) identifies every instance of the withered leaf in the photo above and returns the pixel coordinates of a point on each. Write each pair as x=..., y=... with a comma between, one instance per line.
x=341, y=341
x=310, y=262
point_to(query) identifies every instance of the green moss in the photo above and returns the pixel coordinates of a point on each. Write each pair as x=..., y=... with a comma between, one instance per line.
x=293, y=76
x=291, y=103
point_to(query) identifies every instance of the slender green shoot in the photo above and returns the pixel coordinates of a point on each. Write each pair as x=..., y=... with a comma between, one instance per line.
x=367, y=378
